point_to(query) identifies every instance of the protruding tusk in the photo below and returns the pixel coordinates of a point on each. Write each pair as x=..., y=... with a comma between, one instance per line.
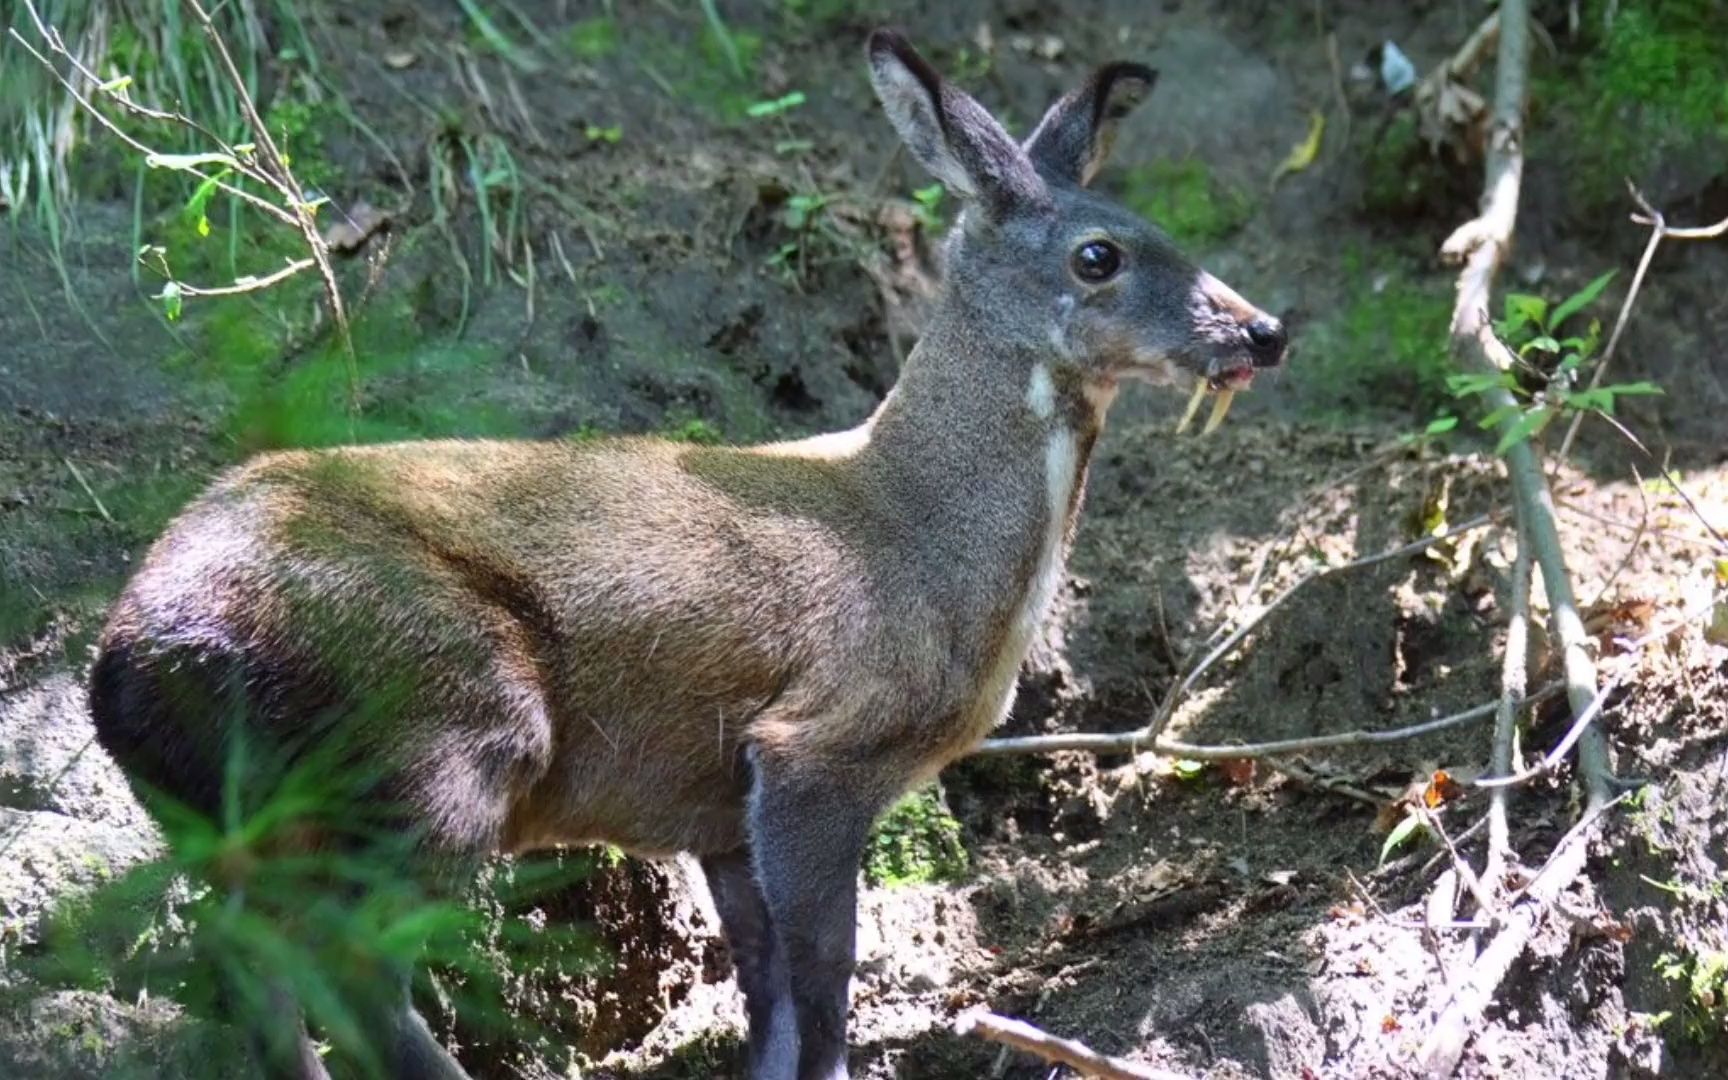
x=1220, y=406
x=1193, y=409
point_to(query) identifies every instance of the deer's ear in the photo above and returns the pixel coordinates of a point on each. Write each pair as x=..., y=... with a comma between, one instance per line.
x=1074, y=138
x=949, y=133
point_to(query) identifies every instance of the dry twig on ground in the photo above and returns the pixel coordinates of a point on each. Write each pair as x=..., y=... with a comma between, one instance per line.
x=1513, y=679
x=1078, y=1056
x=1150, y=736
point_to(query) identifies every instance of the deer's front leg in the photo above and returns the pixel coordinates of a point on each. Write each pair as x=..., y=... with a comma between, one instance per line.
x=808, y=825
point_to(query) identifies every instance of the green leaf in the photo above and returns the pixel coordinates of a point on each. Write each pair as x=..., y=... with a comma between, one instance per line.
x=1600, y=398
x=1540, y=341
x=1440, y=425
x=203, y=225
x=1186, y=769
x=1528, y=426
x=1400, y=833
x=1522, y=309
x=1466, y=384
x=199, y=203
x=1497, y=417
x=1581, y=299
x=1636, y=389
x=779, y=105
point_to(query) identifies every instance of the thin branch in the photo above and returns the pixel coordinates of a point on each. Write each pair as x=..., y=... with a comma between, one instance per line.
x=1482, y=245
x=1554, y=757
x=1721, y=541
x=113, y=129
x=1023, y=1036
x=249, y=284
x=1132, y=740
x=285, y=181
x=1513, y=679
x=1659, y=231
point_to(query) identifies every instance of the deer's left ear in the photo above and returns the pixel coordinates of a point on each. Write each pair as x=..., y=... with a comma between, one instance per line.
x=1074, y=138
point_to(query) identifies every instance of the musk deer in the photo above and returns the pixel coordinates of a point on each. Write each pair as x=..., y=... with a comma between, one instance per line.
x=742, y=652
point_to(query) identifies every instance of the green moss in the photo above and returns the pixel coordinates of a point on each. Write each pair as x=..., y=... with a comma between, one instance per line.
x=593, y=39
x=695, y=430
x=916, y=842
x=299, y=128
x=1186, y=201
x=1648, y=86
x=1383, y=352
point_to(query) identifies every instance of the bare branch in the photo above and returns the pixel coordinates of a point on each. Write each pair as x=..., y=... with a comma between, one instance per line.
x=285, y=181
x=1513, y=679
x=1483, y=245
x=1023, y=1036
x=248, y=284
x=1659, y=231
x=1474, y=342
x=1132, y=740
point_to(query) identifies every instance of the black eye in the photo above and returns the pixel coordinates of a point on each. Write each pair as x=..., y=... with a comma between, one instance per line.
x=1097, y=260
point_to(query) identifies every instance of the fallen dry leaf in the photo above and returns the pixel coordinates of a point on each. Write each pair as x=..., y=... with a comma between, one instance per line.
x=1238, y=772
x=1441, y=789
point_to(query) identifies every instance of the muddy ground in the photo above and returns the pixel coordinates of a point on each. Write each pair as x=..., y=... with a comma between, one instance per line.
x=644, y=274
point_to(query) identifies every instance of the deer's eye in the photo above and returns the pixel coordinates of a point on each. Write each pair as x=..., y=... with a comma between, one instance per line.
x=1097, y=260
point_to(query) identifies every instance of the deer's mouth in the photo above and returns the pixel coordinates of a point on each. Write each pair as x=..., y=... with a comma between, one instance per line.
x=1232, y=377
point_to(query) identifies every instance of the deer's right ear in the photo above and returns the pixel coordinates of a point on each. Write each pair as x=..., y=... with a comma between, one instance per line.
x=949, y=133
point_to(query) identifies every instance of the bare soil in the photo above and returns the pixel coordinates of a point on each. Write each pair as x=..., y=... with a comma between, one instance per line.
x=1224, y=922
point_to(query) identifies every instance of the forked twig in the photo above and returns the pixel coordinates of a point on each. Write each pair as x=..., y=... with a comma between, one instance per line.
x=1659, y=231
x=1023, y=1036
x=282, y=177
x=270, y=170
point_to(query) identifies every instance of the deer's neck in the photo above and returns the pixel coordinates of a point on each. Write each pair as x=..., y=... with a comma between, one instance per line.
x=987, y=453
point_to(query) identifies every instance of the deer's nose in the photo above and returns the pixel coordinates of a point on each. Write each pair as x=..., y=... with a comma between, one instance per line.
x=1266, y=341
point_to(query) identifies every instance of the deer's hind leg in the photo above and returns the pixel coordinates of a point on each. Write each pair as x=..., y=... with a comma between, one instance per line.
x=758, y=961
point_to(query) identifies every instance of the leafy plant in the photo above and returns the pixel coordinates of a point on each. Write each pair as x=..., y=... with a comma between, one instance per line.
x=927, y=207
x=1408, y=828
x=774, y=107
x=1533, y=328
x=1704, y=980
x=916, y=842
x=242, y=907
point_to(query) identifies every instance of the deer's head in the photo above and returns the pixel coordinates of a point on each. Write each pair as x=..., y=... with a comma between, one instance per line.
x=1050, y=266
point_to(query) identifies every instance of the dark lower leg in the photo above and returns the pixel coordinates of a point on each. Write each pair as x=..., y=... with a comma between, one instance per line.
x=756, y=958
